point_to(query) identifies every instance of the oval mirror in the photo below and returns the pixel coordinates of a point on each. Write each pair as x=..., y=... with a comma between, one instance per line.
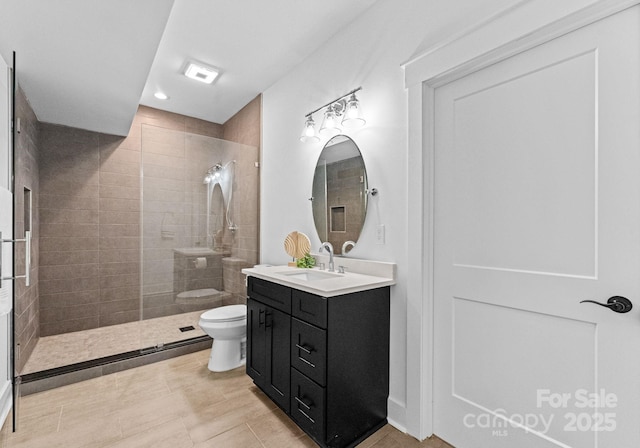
x=339, y=194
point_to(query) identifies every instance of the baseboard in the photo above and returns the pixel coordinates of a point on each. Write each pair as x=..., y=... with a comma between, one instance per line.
x=396, y=414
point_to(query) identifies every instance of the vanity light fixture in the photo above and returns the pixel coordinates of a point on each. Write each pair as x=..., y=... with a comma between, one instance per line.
x=348, y=109
x=201, y=72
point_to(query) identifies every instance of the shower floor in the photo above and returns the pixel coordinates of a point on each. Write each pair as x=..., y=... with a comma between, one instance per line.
x=70, y=348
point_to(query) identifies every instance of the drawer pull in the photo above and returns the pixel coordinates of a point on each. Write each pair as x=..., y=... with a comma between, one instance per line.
x=303, y=403
x=305, y=349
x=306, y=415
x=306, y=362
x=260, y=318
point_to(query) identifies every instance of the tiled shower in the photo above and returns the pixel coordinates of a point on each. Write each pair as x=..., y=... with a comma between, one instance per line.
x=109, y=211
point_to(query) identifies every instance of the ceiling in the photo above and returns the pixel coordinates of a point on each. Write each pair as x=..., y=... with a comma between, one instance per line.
x=89, y=63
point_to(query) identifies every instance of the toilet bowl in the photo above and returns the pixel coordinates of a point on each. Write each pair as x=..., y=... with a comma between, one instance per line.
x=227, y=325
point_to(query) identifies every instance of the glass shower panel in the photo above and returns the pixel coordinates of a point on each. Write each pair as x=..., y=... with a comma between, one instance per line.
x=199, y=228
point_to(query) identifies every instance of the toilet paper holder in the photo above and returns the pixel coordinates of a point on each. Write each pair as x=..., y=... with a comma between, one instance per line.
x=200, y=262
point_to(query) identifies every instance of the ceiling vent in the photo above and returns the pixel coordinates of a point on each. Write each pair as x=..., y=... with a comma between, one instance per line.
x=201, y=72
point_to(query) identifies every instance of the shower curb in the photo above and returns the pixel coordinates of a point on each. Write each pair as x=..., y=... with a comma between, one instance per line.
x=43, y=380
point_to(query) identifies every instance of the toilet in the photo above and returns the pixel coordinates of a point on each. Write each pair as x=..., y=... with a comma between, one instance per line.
x=227, y=325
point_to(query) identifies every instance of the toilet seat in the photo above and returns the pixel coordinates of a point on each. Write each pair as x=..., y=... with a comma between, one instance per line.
x=229, y=313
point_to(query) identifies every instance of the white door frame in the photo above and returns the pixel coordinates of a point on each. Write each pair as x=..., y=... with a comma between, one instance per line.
x=513, y=30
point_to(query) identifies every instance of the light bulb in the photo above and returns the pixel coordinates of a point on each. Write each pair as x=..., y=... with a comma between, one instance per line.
x=309, y=131
x=329, y=123
x=353, y=113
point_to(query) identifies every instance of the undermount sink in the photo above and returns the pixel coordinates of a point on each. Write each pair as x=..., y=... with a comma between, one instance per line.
x=308, y=276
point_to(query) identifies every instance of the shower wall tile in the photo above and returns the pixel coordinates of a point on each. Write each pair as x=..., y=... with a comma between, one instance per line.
x=119, y=192
x=68, y=271
x=157, y=162
x=70, y=230
x=109, y=217
x=125, y=205
x=54, y=258
x=202, y=127
x=123, y=180
x=68, y=325
x=74, y=284
x=56, y=216
x=124, y=161
x=50, y=201
x=27, y=163
x=66, y=190
x=244, y=127
x=162, y=172
x=160, y=119
x=119, y=255
x=57, y=314
x=71, y=227
x=111, y=294
x=67, y=244
x=67, y=299
x=92, y=225
x=119, y=242
x=119, y=230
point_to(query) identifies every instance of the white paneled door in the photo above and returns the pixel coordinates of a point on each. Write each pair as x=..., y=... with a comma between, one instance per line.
x=537, y=208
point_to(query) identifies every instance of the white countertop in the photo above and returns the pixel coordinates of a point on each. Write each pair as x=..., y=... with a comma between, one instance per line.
x=332, y=283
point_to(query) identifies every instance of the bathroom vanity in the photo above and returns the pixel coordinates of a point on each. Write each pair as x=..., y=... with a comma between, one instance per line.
x=318, y=346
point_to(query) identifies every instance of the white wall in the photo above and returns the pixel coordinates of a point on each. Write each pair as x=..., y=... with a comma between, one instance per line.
x=369, y=53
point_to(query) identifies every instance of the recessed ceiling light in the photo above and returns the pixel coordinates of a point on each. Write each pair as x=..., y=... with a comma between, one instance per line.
x=161, y=95
x=201, y=72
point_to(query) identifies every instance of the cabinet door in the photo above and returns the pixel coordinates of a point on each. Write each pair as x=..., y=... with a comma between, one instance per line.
x=256, y=342
x=278, y=330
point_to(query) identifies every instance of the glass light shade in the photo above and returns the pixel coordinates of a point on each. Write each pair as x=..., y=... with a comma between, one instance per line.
x=309, y=132
x=353, y=114
x=329, y=123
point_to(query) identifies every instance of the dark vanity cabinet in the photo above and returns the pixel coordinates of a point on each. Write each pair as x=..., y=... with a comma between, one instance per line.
x=269, y=333
x=334, y=379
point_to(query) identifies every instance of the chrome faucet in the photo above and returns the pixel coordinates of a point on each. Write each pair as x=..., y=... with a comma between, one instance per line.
x=327, y=245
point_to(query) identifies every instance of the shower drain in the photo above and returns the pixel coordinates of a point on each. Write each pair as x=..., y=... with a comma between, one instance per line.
x=189, y=328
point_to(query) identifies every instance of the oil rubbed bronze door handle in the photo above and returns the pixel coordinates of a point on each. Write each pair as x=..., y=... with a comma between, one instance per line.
x=617, y=304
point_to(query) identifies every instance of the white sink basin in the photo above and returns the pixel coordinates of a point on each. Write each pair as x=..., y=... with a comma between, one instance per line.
x=308, y=276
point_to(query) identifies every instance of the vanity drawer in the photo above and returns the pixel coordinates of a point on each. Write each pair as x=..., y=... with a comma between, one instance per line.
x=307, y=405
x=269, y=293
x=309, y=350
x=309, y=308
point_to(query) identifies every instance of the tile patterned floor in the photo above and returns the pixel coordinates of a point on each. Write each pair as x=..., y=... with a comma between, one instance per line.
x=176, y=403
x=70, y=348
